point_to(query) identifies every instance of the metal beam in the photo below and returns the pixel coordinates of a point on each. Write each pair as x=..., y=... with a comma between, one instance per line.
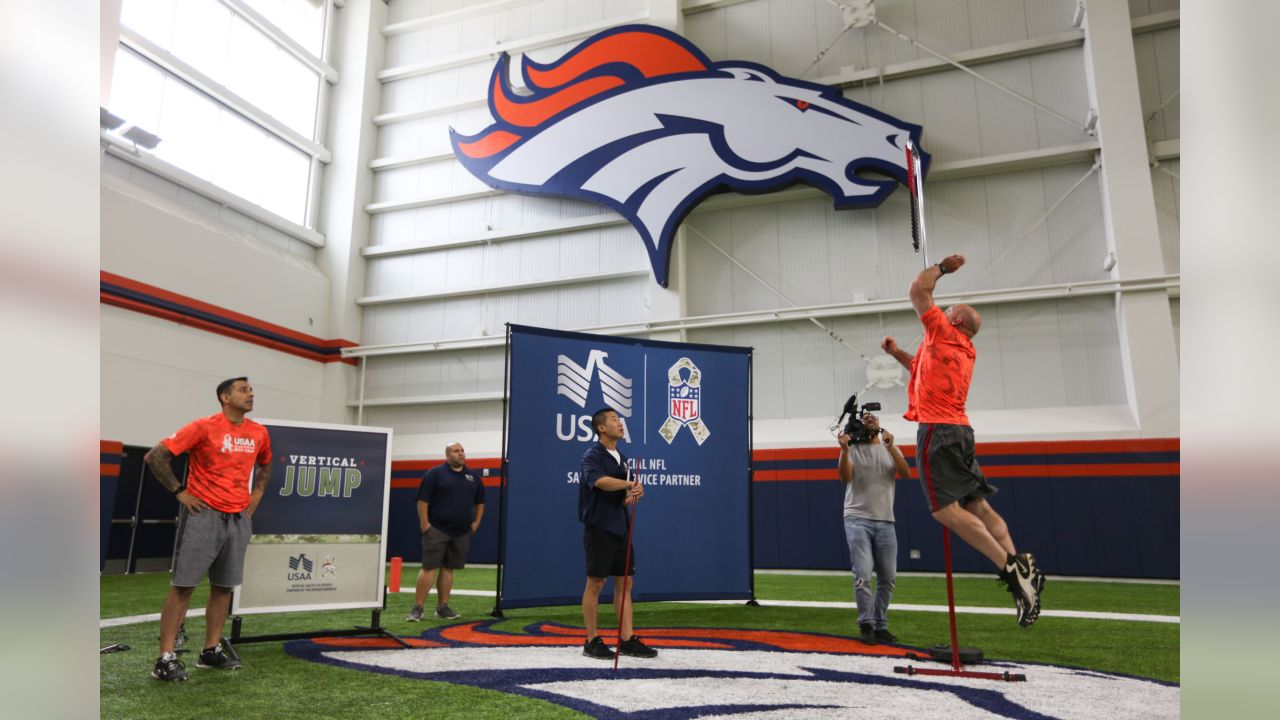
x=393, y=205
x=187, y=73
x=428, y=400
x=391, y=163
x=1166, y=149
x=693, y=7
x=1156, y=21
x=407, y=115
x=1060, y=291
x=589, y=222
x=515, y=46
x=926, y=66
x=427, y=21
x=940, y=172
x=501, y=289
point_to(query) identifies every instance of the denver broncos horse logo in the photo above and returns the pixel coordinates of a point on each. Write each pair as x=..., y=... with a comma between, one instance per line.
x=638, y=119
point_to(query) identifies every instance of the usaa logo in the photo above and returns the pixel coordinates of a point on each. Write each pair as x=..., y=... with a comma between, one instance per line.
x=300, y=567
x=728, y=673
x=574, y=382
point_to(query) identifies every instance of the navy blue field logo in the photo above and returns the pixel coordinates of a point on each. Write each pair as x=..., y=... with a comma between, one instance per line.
x=638, y=119
x=736, y=673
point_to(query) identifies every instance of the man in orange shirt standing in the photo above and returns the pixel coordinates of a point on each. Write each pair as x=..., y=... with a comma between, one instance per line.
x=214, y=521
x=953, y=483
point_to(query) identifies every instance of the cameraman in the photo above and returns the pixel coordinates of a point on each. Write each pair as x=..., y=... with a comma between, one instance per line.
x=868, y=469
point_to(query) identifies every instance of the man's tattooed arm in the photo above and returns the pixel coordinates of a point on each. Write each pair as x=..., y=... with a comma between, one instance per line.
x=261, y=481
x=158, y=459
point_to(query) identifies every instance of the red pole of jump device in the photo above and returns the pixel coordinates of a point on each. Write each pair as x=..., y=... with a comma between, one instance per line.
x=951, y=600
x=626, y=585
x=957, y=669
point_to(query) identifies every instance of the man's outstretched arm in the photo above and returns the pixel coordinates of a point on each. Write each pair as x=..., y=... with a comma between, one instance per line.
x=921, y=290
x=890, y=346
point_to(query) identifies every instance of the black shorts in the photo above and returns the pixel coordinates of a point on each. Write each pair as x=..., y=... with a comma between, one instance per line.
x=949, y=471
x=606, y=554
x=439, y=548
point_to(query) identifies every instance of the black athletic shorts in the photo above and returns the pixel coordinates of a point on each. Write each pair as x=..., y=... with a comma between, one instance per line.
x=949, y=471
x=606, y=554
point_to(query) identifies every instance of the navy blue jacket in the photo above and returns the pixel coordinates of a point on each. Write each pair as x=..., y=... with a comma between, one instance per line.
x=603, y=509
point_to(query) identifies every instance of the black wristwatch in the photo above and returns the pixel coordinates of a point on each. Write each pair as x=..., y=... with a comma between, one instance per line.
x=942, y=269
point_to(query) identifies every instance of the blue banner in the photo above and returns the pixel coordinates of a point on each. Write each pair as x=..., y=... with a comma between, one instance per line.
x=688, y=439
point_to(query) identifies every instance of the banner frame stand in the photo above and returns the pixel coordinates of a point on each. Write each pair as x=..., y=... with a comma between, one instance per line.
x=751, y=479
x=502, y=476
x=374, y=628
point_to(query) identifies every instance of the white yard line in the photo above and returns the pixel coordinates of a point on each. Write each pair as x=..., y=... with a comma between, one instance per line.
x=902, y=607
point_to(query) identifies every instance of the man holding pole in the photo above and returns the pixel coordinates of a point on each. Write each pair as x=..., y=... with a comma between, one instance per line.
x=605, y=489
x=953, y=483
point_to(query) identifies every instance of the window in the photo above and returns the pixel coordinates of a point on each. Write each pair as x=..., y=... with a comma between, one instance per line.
x=233, y=88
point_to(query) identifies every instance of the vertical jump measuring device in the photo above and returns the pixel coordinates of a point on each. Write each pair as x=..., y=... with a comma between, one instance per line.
x=915, y=186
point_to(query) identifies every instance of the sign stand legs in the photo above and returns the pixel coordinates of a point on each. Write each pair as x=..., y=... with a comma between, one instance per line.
x=374, y=628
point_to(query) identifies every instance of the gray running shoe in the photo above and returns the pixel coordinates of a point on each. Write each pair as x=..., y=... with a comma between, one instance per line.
x=415, y=615
x=444, y=612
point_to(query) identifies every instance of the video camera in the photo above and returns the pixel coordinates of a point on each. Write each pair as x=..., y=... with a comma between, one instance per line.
x=855, y=428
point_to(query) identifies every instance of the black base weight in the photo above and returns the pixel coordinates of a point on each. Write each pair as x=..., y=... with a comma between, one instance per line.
x=968, y=655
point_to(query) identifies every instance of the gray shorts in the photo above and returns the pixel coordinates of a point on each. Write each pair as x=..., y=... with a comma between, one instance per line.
x=212, y=542
x=440, y=548
x=948, y=467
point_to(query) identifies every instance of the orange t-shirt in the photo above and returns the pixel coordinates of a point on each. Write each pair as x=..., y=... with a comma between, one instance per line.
x=222, y=456
x=940, y=372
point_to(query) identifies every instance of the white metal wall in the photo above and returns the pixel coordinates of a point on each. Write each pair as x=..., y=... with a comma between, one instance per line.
x=446, y=250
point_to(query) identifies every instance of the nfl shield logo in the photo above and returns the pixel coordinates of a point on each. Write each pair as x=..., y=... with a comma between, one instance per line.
x=684, y=402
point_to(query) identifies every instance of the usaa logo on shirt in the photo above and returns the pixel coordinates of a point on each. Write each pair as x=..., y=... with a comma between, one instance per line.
x=237, y=444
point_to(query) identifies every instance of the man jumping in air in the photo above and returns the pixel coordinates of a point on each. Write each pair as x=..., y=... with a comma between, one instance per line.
x=953, y=483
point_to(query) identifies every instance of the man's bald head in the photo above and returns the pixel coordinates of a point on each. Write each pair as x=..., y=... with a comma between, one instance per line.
x=966, y=318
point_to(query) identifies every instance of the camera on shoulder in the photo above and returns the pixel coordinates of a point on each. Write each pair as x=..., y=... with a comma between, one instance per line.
x=856, y=428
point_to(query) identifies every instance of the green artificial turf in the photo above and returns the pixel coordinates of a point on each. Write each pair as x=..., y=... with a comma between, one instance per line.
x=274, y=685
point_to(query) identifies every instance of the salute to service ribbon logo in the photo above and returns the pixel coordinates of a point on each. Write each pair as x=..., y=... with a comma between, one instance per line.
x=638, y=119
x=684, y=402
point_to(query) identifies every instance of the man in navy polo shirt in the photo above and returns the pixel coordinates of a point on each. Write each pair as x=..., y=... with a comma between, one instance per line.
x=604, y=490
x=450, y=505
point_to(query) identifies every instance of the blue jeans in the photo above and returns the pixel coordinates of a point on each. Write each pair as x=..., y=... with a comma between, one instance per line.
x=873, y=545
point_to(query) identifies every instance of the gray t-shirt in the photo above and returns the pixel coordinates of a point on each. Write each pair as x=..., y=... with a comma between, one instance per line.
x=870, y=495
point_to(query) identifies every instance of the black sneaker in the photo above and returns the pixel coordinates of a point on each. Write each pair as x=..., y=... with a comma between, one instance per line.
x=169, y=667
x=883, y=635
x=215, y=658
x=444, y=612
x=868, y=633
x=415, y=615
x=1020, y=575
x=635, y=648
x=595, y=648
